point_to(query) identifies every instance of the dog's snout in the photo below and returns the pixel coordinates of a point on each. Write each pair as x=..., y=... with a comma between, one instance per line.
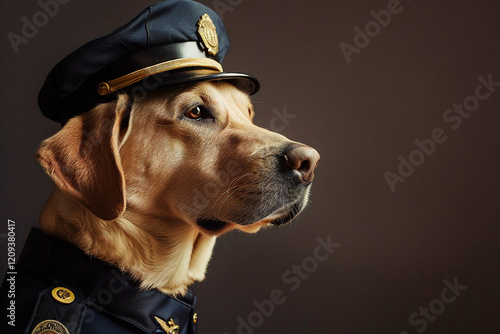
x=304, y=160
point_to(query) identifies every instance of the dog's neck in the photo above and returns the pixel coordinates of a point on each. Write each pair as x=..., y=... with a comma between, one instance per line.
x=164, y=253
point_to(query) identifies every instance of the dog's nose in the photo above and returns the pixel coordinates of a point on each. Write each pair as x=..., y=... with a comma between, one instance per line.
x=303, y=159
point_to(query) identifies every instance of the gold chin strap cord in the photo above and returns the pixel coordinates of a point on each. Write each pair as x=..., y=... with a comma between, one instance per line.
x=105, y=88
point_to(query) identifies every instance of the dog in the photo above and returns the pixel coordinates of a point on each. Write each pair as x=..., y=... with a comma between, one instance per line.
x=145, y=183
x=137, y=187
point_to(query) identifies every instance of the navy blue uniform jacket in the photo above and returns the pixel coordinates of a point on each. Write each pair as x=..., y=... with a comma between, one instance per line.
x=105, y=300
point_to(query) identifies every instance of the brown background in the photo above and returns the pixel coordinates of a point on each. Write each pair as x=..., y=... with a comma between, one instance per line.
x=396, y=248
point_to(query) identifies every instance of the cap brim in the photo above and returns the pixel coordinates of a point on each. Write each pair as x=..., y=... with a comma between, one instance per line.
x=244, y=82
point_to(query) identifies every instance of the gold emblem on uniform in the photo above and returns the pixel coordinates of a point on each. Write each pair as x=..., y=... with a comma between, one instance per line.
x=50, y=327
x=208, y=34
x=63, y=295
x=168, y=326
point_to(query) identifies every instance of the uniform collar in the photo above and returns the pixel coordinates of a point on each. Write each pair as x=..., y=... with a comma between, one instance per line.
x=104, y=287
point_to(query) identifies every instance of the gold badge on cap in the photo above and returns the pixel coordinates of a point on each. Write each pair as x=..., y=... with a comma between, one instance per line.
x=50, y=327
x=208, y=34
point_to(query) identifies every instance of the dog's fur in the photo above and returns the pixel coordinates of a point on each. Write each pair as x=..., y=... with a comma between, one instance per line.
x=144, y=187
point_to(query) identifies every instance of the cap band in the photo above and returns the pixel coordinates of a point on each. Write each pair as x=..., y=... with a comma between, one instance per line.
x=105, y=88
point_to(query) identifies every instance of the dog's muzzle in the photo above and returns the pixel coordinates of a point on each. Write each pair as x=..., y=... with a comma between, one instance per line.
x=298, y=174
x=279, y=191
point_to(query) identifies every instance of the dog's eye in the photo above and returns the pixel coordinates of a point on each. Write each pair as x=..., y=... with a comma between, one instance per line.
x=198, y=112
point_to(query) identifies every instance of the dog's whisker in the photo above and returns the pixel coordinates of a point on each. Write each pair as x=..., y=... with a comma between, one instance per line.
x=261, y=102
x=236, y=180
x=229, y=189
x=229, y=195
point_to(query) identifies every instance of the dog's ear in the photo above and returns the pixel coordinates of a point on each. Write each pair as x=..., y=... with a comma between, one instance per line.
x=83, y=159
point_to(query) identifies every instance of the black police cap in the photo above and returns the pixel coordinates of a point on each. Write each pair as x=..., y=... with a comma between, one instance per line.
x=172, y=42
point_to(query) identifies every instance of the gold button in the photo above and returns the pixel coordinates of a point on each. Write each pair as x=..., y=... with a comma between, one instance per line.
x=195, y=318
x=103, y=88
x=63, y=295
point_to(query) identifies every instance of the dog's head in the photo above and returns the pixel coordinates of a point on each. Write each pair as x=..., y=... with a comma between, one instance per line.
x=189, y=152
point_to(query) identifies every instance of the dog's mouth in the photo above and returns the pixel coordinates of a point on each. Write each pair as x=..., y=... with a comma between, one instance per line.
x=287, y=214
x=278, y=217
x=212, y=224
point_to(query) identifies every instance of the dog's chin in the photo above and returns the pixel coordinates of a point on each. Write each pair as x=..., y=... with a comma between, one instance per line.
x=280, y=216
x=287, y=214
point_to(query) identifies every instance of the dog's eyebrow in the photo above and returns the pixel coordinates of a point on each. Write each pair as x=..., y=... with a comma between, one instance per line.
x=195, y=97
x=206, y=98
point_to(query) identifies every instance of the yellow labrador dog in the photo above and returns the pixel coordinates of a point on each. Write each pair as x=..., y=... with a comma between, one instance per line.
x=148, y=185
x=145, y=183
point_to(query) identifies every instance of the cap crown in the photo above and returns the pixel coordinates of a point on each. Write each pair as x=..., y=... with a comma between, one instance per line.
x=70, y=88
